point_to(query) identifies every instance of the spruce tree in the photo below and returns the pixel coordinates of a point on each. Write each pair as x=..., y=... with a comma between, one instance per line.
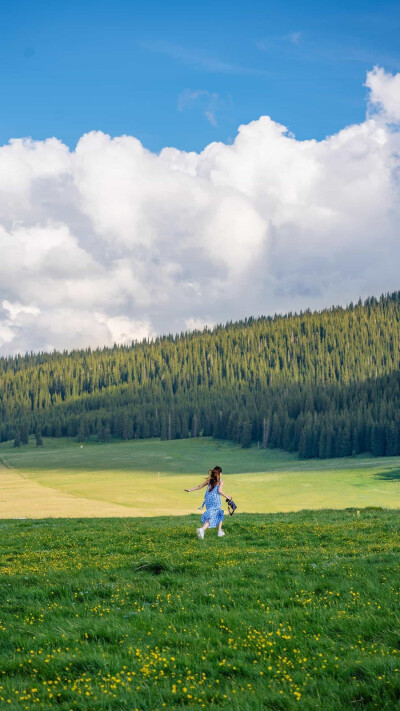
x=24, y=433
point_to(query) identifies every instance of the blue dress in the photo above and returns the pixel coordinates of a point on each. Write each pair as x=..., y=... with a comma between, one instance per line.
x=213, y=513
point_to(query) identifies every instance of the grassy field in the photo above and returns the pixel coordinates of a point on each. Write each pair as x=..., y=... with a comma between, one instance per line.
x=147, y=478
x=288, y=611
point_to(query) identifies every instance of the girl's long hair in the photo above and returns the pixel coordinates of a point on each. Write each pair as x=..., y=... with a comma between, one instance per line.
x=214, y=477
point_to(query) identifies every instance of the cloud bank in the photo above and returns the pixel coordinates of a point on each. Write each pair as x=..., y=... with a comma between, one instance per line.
x=110, y=242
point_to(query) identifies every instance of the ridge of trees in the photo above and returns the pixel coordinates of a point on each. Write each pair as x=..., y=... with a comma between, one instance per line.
x=322, y=383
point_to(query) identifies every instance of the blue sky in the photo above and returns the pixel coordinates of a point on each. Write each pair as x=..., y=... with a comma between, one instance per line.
x=187, y=73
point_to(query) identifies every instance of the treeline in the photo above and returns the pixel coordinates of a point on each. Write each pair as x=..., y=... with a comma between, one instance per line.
x=323, y=384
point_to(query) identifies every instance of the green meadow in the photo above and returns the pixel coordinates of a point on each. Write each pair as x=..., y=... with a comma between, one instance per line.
x=109, y=601
x=288, y=611
x=148, y=478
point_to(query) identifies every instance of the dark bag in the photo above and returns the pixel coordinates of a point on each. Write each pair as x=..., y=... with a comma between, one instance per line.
x=231, y=506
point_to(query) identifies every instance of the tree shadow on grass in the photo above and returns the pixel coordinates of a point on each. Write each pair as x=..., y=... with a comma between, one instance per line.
x=389, y=475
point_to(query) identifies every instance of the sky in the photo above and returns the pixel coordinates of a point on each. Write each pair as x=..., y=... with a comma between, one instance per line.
x=167, y=166
x=185, y=74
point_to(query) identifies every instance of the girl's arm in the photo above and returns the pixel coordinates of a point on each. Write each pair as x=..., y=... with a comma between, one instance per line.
x=198, y=487
x=221, y=483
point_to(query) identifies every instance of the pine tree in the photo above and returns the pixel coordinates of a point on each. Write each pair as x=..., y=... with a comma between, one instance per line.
x=82, y=431
x=245, y=431
x=378, y=441
x=127, y=427
x=24, y=433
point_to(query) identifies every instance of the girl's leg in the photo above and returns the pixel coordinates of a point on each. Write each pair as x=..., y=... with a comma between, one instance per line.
x=220, y=526
x=206, y=525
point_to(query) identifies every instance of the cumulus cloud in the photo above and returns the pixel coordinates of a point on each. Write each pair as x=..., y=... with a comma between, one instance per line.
x=111, y=243
x=385, y=93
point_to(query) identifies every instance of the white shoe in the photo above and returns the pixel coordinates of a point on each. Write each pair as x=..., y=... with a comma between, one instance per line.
x=221, y=533
x=200, y=533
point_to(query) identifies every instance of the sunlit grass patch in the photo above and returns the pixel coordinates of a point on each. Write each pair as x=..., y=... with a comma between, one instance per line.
x=148, y=478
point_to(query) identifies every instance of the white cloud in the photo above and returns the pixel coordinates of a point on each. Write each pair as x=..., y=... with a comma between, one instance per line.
x=6, y=334
x=122, y=330
x=111, y=242
x=198, y=324
x=278, y=42
x=16, y=309
x=210, y=103
x=385, y=93
x=293, y=37
x=199, y=59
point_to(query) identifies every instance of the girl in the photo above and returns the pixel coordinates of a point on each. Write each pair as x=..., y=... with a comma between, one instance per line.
x=213, y=515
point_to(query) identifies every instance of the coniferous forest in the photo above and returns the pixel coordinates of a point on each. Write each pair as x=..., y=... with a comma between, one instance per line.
x=323, y=384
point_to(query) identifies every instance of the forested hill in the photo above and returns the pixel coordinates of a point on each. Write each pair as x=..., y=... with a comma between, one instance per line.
x=324, y=383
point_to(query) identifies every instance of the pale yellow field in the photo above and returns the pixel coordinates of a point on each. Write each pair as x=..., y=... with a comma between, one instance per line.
x=147, y=478
x=21, y=497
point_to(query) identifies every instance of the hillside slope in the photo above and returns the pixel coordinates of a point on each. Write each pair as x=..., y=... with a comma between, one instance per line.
x=323, y=384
